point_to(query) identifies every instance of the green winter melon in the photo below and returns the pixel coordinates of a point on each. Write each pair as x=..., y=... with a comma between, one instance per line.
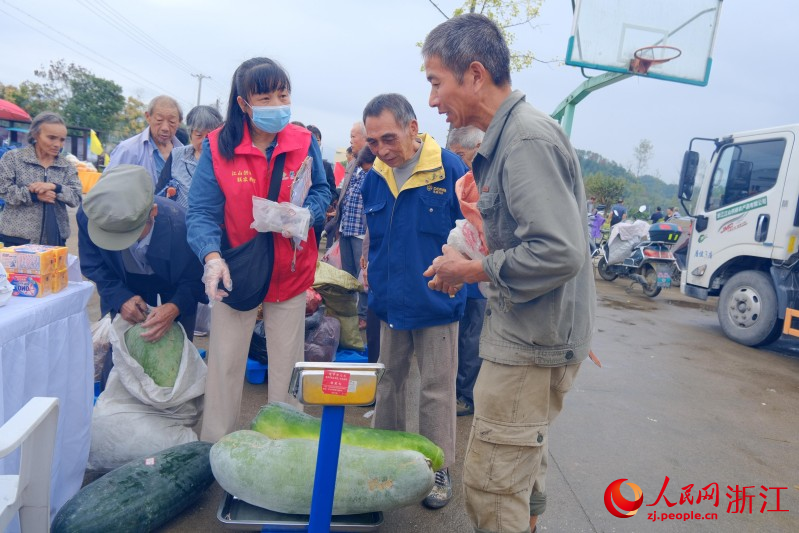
x=161, y=359
x=278, y=420
x=278, y=474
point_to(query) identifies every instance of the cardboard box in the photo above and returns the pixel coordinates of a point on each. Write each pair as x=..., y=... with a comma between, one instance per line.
x=34, y=258
x=31, y=285
x=60, y=280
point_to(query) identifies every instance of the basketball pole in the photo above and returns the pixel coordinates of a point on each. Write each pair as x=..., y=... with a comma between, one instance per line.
x=564, y=112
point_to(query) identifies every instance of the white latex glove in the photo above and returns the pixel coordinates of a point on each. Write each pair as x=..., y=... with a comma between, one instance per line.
x=215, y=270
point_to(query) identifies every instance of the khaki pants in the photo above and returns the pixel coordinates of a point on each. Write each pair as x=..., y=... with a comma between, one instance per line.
x=436, y=351
x=504, y=472
x=229, y=344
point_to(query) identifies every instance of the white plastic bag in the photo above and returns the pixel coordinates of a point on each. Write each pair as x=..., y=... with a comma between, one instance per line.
x=465, y=238
x=285, y=218
x=135, y=417
x=101, y=342
x=333, y=256
x=6, y=288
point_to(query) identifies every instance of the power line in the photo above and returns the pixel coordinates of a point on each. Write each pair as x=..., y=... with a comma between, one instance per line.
x=200, y=84
x=144, y=35
x=104, y=61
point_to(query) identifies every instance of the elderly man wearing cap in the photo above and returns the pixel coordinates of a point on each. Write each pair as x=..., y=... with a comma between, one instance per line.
x=133, y=246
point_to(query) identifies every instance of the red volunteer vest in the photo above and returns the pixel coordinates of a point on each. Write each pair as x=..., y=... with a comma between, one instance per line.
x=247, y=175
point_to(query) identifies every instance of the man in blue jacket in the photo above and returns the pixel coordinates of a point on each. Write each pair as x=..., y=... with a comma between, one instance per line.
x=133, y=247
x=410, y=204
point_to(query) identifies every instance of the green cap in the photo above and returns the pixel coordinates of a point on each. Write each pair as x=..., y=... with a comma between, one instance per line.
x=118, y=206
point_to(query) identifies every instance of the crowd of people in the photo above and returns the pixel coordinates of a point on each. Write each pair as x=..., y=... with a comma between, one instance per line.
x=168, y=228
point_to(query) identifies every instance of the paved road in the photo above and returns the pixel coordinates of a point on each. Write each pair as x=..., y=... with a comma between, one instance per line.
x=674, y=398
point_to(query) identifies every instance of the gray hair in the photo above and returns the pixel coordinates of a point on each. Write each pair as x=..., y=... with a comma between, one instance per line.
x=45, y=117
x=468, y=137
x=167, y=101
x=471, y=37
x=398, y=105
x=361, y=126
x=203, y=118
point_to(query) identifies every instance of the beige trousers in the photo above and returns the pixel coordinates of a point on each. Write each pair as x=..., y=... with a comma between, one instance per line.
x=229, y=344
x=504, y=471
x=436, y=350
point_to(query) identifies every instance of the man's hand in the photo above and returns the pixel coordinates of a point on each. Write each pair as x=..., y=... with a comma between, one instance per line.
x=452, y=269
x=364, y=264
x=134, y=310
x=159, y=321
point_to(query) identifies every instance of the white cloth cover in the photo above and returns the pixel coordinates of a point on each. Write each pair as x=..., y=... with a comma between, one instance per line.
x=623, y=238
x=46, y=350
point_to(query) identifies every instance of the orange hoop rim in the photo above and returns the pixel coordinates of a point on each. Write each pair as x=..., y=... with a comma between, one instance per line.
x=653, y=61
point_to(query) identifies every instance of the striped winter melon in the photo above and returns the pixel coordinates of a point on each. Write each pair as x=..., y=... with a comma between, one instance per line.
x=278, y=474
x=161, y=359
x=281, y=421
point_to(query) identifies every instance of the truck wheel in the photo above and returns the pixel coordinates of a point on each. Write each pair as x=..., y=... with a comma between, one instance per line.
x=651, y=288
x=604, y=273
x=748, y=309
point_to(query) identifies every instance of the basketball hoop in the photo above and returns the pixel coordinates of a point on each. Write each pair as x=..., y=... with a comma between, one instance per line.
x=640, y=64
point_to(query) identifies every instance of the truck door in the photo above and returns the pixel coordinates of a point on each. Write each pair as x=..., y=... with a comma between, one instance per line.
x=742, y=203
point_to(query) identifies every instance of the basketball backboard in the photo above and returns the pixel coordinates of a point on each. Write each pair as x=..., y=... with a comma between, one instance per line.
x=665, y=39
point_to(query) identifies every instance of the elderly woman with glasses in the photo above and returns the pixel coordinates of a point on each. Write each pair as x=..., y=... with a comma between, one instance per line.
x=179, y=168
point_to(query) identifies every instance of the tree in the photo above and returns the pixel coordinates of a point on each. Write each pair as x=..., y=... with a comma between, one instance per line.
x=507, y=15
x=642, y=154
x=94, y=103
x=606, y=189
x=30, y=96
x=131, y=120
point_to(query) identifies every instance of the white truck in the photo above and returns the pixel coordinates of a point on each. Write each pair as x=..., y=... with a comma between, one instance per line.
x=744, y=239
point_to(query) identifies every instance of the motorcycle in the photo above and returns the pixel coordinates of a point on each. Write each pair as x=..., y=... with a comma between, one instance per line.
x=640, y=252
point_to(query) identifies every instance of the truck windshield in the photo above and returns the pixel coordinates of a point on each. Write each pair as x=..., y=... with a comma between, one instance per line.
x=744, y=170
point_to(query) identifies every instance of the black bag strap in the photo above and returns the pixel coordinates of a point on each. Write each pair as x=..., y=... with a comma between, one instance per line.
x=277, y=177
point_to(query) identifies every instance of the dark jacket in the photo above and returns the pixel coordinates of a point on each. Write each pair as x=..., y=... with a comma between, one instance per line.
x=169, y=256
x=407, y=230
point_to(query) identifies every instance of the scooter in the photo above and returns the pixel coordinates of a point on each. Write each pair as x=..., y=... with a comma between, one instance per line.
x=649, y=261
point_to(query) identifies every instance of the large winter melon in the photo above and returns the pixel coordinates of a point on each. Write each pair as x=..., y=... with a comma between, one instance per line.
x=281, y=421
x=278, y=474
x=141, y=495
x=161, y=359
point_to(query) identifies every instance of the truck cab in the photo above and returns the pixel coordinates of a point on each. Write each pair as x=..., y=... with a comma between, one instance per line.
x=744, y=239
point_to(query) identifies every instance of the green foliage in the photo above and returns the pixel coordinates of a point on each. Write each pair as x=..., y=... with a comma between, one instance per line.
x=507, y=15
x=607, y=180
x=130, y=120
x=82, y=98
x=95, y=103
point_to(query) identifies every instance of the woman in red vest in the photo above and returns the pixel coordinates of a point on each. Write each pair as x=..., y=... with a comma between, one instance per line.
x=236, y=164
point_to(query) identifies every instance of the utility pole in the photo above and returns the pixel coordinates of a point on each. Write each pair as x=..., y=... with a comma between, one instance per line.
x=200, y=85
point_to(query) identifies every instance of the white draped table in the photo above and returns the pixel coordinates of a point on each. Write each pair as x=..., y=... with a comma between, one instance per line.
x=46, y=350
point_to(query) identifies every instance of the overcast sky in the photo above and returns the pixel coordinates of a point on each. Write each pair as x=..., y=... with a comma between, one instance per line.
x=340, y=54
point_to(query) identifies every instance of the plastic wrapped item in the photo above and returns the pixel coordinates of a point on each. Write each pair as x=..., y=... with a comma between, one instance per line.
x=312, y=301
x=333, y=256
x=322, y=345
x=301, y=182
x=285, y=218
x=465, y=238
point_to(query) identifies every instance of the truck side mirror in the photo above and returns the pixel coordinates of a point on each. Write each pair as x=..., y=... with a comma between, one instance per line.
x=690, y=162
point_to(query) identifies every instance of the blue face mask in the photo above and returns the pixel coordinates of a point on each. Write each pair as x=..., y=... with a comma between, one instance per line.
x=270, y=119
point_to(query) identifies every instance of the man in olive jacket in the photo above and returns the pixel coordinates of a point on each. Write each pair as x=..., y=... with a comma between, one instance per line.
x=541, y=296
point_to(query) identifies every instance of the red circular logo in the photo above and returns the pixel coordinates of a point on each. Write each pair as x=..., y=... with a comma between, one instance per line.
x=614, y=499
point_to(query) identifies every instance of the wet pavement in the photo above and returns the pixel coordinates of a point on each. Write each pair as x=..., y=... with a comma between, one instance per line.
x=674, y=398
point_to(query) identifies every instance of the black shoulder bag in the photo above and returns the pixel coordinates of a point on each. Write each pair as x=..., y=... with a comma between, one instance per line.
x=250, y=264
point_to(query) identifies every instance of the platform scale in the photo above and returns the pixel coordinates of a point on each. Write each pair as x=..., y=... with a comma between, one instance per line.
x=332, y=386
